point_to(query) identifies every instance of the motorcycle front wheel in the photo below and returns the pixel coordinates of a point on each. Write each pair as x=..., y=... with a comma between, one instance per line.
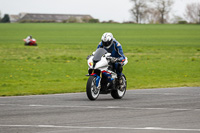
x=91, y=88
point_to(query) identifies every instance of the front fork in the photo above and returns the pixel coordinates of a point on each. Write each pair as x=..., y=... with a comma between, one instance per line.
x=98, y=79
x=98, y=82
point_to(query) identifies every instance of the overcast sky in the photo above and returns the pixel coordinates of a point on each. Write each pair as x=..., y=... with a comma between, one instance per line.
x=117, y=10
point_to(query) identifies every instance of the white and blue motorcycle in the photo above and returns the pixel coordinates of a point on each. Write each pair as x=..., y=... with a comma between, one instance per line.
x=103, y=77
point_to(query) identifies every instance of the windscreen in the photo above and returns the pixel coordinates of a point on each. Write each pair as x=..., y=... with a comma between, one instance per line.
x=98, y=54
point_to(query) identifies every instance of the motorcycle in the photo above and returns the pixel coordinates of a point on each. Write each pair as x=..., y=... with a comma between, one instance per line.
x=103, y=77
x=31, y=42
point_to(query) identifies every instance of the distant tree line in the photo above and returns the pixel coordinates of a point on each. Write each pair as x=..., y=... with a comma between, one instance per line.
x=143, y=11
x=5, y=19
x=82, y=20
x=71, y=20
x=192, y=12
x=157, y=11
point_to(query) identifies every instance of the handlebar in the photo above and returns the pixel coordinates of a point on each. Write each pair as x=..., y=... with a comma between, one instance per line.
x=113, y=59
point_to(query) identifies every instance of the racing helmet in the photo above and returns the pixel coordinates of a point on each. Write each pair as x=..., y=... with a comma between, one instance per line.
x=107, y=39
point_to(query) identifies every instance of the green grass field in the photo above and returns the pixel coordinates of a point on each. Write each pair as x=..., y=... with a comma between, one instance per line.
x=159, y=56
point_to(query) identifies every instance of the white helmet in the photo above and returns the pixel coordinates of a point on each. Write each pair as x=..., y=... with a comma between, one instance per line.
x=107, y=39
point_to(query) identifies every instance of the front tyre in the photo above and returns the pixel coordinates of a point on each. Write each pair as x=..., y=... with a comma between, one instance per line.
x=91, y=88
x=119, y=93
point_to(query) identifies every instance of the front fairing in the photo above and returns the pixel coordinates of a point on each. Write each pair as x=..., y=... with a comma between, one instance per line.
x=97, y=65
x=90, y=62
x=98, y=59
x=103, y=63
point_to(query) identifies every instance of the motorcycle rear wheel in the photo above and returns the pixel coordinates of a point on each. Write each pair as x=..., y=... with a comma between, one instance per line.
x=91, y=89
x=119, y=94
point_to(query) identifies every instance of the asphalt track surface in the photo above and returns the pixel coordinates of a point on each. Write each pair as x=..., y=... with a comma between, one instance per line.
x=171, y=110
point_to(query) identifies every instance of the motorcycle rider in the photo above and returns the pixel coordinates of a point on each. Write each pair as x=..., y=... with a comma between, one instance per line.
x=109, y=43
x=28, y=39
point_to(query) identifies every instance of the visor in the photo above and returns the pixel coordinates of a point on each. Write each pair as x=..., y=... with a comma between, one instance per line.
x=106, y=44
